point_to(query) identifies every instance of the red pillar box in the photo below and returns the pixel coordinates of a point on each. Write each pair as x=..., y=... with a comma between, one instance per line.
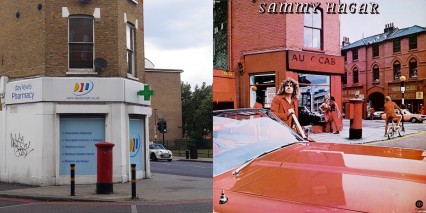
x=355, y=130
x=104, y=167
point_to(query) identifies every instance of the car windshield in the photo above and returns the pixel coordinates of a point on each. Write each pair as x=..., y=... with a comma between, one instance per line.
x=156, y=146
x=239, y=135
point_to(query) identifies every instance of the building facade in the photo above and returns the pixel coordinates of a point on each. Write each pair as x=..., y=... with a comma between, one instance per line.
x=268, y=42
x=72, y=76
x=167, y=105
x=374, y=65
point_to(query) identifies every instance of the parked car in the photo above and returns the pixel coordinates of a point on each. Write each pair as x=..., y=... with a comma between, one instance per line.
x=158, y=152
x=378, y=114
x=408, y=116
x=306, y=117
x=261, y=165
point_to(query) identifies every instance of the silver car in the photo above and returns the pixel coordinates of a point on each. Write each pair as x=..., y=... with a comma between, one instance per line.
x=158, y=152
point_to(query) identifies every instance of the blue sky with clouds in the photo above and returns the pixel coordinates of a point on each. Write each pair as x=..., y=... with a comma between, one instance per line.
x=178, y=35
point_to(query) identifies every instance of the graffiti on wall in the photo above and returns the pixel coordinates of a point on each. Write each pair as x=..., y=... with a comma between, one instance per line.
x=20, y=148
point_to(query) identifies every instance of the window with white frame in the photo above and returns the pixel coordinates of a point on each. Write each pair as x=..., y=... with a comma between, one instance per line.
x=80, y=42
x=313, y=29
x=130, y=43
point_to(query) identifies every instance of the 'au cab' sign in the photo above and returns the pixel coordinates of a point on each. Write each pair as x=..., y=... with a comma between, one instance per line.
x=146, y=93
x=315, y=62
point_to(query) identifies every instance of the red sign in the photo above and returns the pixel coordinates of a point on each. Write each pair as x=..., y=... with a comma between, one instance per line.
x=315, y=62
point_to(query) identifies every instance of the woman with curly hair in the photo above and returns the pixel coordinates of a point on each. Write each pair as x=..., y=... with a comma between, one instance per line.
x=285, y=102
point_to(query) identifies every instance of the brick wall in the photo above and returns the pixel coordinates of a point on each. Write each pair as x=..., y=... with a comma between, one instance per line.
x=167, y=101
x=37, y=42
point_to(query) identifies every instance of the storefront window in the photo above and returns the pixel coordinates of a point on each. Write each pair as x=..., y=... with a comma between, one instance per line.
x=313, y=89
x=263, y=86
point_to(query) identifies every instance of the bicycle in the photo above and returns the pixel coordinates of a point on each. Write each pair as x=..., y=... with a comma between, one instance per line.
x=392, y=131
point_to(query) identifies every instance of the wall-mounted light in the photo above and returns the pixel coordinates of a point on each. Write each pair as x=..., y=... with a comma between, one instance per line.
x=240, y=68
x=39, y=6
x=18, y=14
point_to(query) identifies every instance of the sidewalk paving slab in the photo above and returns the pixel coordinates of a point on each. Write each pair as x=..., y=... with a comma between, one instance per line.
x=160, y=187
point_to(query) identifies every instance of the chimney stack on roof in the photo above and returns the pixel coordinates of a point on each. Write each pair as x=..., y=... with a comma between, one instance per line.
x=389, y=28
x=345, y=41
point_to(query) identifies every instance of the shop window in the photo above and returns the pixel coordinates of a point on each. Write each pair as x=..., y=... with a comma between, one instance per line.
x=355, y=75
x=376, y=50
x=313, y=89
x=130, y=43
x=397, y=46
x=78, y=134
x=80, y=38
x=412, y=42
x=396, y=70
x=376, y=74
x=355, y=54
x=313, y=29
x=263, y=86
x=413, y=68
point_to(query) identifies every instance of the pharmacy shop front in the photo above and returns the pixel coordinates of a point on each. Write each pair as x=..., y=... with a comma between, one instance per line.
x=49, y=123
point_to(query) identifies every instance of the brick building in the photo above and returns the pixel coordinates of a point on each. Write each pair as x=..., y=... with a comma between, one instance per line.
x=374, y=65
x=72, y=76
x=267, y=43
x=168, y=105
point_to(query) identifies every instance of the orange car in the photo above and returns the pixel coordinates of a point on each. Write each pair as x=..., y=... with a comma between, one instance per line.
x=261, y=165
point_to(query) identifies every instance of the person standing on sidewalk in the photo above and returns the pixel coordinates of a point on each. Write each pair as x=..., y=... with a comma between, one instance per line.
x=335, y=115
x=284, y=103
x=390, y=107
x=325, y=109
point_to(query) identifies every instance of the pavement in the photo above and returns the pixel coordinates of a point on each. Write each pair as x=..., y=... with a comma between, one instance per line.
x=372, y=131
x=159, y=188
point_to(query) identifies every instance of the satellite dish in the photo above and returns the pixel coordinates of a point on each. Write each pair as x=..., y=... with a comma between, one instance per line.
x=100, y=63
x=84, y=1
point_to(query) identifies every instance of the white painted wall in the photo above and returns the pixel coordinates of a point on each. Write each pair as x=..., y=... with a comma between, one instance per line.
x=31, y=155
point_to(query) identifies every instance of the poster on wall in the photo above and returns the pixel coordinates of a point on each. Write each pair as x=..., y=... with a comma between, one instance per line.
x=136, y=139
x=78, y=136
x=269, y=95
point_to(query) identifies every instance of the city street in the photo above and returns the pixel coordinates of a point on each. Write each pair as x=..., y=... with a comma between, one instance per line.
x=373, y=134
x=13, y=205
x=184, y=168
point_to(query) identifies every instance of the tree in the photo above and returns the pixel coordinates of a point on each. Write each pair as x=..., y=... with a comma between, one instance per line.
x=196, y=111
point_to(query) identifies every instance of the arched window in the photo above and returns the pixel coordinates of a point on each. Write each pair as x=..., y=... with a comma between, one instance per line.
x=355, y=75
x=313, y=29
x=396, y=70
x=376, y=74
x=413, y=68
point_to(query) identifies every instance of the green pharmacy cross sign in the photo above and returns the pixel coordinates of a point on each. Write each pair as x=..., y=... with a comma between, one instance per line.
x=146, y=93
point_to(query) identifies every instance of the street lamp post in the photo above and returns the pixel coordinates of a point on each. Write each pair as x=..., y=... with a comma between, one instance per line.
x=402, y=79
x=155, y=125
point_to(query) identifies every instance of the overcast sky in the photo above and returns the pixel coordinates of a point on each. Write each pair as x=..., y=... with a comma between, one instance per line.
x=403, y=13
x=179, y=35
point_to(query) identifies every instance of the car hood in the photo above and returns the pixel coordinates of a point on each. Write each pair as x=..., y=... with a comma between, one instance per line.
x=328, y=176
